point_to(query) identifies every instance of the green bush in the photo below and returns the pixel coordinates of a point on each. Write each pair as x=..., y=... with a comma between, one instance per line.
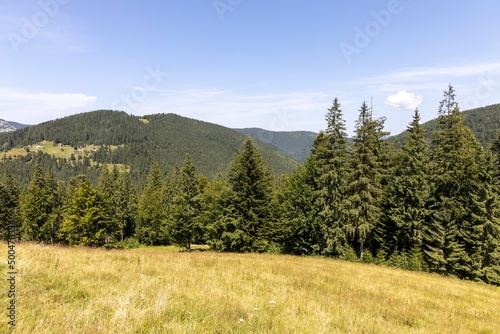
x=128, y=243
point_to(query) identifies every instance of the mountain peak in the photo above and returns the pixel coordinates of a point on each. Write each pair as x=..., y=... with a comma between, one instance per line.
x=6, y=126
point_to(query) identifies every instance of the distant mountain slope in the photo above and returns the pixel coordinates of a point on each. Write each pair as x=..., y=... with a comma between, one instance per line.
x=166, y=138
x=484, y=122
x=296, y=144
x=6, y=126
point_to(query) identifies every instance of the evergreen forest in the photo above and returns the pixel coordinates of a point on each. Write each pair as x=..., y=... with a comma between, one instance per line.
x=430, y=202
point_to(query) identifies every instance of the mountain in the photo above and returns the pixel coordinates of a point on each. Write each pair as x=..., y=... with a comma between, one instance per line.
x=6, y=126
x=114, y=137
x=296, y=144
x=484, y=123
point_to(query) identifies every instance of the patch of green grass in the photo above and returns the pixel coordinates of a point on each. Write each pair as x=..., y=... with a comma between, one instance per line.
x=62, y=151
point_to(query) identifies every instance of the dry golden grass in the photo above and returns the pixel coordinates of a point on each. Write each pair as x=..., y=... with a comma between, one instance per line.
x=79, y=290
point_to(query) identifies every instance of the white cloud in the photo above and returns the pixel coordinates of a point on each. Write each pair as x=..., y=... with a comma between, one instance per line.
x=423, y=78
x=35, y=107
x=404, y=100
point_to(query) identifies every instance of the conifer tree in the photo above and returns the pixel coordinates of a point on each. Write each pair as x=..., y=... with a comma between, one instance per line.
x=216, y=208
x=364, y=191
x=303, y=233
x=248, y=209
x=126, y=206
x=456, y=229
x=407, y=194
x=151, y=219
x=9, y=205
x=186, y=207
x=41, y=207
x=330, y=157
x=55, y=193
x=491, y=232
x=120, y=200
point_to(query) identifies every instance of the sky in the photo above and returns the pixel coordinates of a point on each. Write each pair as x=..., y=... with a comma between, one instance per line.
x=274, y=64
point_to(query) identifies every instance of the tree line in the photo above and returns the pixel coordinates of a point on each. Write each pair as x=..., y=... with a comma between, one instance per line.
x=429, y=207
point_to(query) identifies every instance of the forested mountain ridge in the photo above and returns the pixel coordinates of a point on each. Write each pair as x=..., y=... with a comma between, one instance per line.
x=484, y=123
x=296, y=144
x=136, y=141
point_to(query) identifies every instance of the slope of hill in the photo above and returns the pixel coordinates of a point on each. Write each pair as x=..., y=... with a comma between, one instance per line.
x=296, y=144
x=6, y=126
x=136, y=141
x=484, y=123
x=84, y=290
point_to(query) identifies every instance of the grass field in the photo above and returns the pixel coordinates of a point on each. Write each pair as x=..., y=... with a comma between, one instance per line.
x=60, y=151
x=155, y=290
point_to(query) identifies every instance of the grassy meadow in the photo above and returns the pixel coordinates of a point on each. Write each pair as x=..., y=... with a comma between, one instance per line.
x=59, y=151
x=157, y=290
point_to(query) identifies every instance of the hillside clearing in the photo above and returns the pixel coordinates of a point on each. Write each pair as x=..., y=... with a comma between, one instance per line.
x=55, y=150
x=80, y=290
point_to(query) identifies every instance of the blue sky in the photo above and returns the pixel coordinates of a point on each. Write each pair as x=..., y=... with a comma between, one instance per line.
x=240, y=63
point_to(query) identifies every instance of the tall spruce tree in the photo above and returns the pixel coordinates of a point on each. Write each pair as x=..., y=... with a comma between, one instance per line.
x=248, y=212
x=303, y=233
x=364, y=191
x=120, y=200
x=407, y=194
x=126, y=206
x=152, y=216
x=185, y=210
x=491, y=232
x=330, y=158
x=455, y=231
x=216, y=208
x=41, y=207
x=56, y=193
x=9, y=205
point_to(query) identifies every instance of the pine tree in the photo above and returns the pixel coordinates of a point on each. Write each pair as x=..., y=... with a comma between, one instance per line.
x=248, y=212
x=120, y=200
x=303, y=233
x=455, y=231
x=364, y=191
x=407, y=194
x=216, y=208
x=9, y=205
x=41, y=207
x=55, y=194
x=151, y=217
x=186, y=207
x=330, y=157
x=490, y=250
x=85, y=221
x=125, y=206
